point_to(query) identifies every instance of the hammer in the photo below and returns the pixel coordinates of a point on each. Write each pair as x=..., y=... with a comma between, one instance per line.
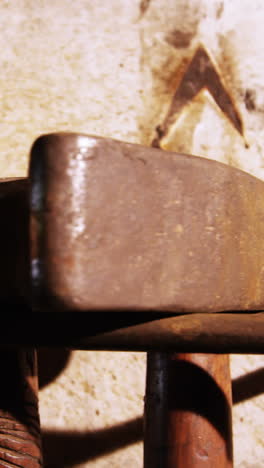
x=148, y=249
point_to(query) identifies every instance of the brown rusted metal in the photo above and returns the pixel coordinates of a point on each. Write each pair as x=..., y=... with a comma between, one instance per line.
x=117, y=226
x=188, y=411
x=202, y=333
x=56, y=161
x=212, y=333
x=201, y=73
x=199, y=426
x=20, y=441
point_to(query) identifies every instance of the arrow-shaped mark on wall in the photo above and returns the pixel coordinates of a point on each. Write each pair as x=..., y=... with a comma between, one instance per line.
x=200, y=74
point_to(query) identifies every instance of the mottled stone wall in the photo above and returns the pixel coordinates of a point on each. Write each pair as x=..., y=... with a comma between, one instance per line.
x=112, y=69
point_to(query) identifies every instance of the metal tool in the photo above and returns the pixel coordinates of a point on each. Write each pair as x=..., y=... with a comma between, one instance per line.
x=121, y=226
x=144, y=249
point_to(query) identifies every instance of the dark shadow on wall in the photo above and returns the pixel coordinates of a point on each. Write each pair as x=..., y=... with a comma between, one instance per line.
x=51, y=363
x=248, y=386
x=66, y=449
x=62, y=449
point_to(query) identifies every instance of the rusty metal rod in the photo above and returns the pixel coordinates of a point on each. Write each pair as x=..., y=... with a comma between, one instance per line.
x=210, y=333
x=214, y=333
x=187, y=411
x=199, y=429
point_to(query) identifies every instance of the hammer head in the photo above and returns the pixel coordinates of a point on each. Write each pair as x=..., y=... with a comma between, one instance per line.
x=117, y=226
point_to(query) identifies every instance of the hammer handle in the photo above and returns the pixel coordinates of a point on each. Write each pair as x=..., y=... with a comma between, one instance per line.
x=188, y=411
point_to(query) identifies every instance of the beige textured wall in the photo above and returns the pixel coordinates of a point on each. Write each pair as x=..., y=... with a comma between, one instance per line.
x=111, y=68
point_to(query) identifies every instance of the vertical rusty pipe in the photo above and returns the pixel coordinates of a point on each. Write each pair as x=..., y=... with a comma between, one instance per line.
x=20, y=443
x=195, y=394
x=199, y=418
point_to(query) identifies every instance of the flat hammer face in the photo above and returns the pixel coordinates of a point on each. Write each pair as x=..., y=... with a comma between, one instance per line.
x=117, y=226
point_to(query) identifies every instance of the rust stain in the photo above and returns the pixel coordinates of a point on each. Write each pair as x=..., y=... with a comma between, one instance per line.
x=220, y=10
x=180, y=39
x=250, y=99
x=143, y=7
x=200, y=74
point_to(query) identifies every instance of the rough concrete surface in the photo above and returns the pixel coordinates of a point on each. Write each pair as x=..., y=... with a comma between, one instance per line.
x=112, y=69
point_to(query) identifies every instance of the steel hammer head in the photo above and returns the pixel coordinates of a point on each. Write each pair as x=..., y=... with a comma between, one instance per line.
x=118, y=226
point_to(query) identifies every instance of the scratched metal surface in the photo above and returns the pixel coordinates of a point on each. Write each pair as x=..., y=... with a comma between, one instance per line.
x=116, y=226
x=114, y=71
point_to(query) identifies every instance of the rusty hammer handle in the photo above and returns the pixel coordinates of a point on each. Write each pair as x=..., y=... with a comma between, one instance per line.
x=198, y=233
x=188, y=411
x=188, y=422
